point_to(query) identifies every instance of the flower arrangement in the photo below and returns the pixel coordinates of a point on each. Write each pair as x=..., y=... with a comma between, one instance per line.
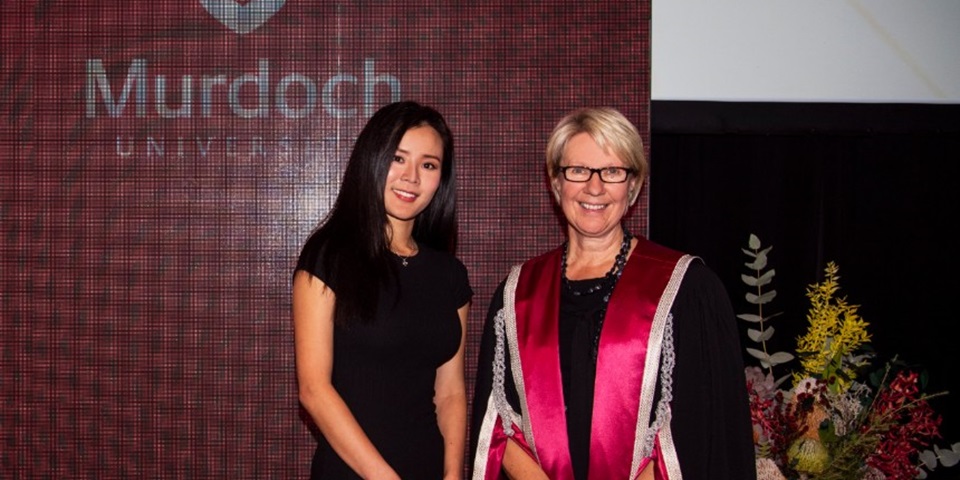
x=837, y=419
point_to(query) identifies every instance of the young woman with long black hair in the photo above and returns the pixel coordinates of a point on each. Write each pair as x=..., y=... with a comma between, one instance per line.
x=379, y=308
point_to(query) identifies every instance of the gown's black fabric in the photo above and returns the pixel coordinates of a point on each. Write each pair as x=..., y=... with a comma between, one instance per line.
x=385, y=371
x=712, y=436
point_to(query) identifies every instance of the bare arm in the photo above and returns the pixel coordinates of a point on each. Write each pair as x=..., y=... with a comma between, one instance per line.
x=647, y=472
x=313, y=310
x=519, y=465
x=451, y=403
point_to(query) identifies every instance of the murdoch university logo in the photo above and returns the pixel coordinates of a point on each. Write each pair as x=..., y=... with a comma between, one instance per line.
x=242, y=16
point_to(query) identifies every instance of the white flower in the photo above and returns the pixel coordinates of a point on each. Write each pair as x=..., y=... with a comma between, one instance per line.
x=807, y=385
x=767, y=470
x=762, y=383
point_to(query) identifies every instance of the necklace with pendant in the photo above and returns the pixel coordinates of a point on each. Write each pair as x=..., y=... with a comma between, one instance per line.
x=404, y=259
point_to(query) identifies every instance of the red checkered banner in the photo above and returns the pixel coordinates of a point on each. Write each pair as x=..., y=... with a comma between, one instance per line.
x=163, y=161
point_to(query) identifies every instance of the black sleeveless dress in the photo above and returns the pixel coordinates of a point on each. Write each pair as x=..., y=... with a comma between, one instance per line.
x=385, y=371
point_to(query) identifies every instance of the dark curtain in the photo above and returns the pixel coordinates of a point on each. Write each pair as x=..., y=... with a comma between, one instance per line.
x=868, y=186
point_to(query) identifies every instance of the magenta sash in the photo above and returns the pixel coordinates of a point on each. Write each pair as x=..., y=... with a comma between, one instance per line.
x=622, y=353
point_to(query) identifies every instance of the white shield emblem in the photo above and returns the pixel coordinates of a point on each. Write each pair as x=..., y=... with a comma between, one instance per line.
x=242, y=18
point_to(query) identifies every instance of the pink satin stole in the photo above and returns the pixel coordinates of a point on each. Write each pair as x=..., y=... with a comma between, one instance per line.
x=623, y=349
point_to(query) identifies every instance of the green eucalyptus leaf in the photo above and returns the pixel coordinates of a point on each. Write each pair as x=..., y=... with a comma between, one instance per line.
x=761, y=299
x=929, y=459
x=748, y=253
x=780, y=357
x=758, y=354
x=766, y=278
x=749, y=280
x=948, y=458
x=772, y=316
x=755, y=334
x=750, y=317
x=767, y=333
x=753, y=242
x=768, y=297
x=760, y=263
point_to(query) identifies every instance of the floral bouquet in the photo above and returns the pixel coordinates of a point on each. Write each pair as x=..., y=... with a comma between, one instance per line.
x=840, y=417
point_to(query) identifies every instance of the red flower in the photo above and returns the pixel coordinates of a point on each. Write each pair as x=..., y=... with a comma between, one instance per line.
x=906, y=423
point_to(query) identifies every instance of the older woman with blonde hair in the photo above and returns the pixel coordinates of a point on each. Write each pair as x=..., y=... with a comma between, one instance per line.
x=610, y=357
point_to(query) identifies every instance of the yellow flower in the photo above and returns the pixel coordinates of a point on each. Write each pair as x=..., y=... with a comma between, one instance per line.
x=808, y=455
x=835, y=332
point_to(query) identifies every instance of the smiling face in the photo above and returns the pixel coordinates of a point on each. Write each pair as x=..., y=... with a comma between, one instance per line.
x=593, y=209
x=414, y=175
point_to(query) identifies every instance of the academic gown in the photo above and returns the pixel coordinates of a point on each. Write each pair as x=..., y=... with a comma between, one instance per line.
x=668, y=384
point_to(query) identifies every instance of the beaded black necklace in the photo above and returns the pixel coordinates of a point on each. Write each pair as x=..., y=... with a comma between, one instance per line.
x=606, y=284
x=609, y=279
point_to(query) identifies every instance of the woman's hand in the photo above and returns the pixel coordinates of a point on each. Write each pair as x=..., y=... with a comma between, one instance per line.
x=519, y=465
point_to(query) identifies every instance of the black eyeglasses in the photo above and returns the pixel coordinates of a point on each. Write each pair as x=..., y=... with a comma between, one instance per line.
x=607, y=174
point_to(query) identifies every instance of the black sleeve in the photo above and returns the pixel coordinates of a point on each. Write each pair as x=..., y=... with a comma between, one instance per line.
x=484, y=378
x=312, y=259
x=711, y=415
x=461, y=281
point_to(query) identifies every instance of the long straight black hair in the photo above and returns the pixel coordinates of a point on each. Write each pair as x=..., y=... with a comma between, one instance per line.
x=351, y=243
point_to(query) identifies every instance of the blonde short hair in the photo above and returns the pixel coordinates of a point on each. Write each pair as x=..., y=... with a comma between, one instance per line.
x=609, y=128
